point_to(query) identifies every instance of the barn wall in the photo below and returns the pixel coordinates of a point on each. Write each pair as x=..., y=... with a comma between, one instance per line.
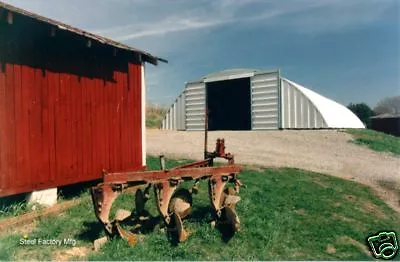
x=66, y=111
x=389, y=125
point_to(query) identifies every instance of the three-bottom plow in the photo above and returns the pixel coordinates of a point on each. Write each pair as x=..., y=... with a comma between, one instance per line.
x=174, y=204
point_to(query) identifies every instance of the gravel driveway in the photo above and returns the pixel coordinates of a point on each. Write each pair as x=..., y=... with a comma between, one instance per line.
x=324, y=151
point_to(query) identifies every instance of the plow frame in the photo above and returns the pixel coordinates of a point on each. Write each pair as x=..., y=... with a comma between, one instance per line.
x=173, y=205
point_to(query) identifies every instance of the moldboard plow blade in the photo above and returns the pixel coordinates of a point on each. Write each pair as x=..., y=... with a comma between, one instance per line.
x=174, y=203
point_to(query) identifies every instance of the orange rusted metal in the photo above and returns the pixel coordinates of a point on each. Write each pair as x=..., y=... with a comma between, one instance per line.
x=173, y=203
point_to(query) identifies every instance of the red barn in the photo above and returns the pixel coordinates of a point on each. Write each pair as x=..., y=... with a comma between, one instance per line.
x=71, y=104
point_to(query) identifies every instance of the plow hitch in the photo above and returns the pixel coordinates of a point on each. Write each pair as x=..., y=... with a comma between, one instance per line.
x=174, y=203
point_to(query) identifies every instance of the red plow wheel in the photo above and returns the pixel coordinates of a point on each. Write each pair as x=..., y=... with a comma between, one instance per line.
x=173, y=203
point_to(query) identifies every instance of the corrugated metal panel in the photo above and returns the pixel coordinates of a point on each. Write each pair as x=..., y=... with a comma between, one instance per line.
x=265, y=100
x=297, y=110
x=180, y=112
x=195, y=102
x=333, y=114
x=174, y=119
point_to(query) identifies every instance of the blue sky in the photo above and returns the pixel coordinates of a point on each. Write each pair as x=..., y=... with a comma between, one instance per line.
x=347, y=50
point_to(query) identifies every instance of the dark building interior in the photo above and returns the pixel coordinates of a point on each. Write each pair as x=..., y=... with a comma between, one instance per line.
x=229, y=105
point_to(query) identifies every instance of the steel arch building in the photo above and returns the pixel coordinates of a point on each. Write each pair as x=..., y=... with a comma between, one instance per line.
x=248, y=99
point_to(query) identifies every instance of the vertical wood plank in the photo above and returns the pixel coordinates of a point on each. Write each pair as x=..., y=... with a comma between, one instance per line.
x=44, y=105
x=109, y=127
x=27, y=85
x=53, y=85
x=3, y=137
x=73, y=124
x=79, y=138
x=61, y=138
x=36, y=130
x=18, y=177
x=10, y=126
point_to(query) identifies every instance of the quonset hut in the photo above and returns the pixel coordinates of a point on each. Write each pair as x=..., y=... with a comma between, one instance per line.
x=247, y=99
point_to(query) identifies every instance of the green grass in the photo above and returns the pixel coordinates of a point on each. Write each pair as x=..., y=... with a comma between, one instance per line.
x=286, y=214
x=16, y=205
x=11, y=207
x=376, y=141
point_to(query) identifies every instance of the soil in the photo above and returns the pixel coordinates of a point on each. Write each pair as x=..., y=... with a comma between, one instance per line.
x=77, y=252
x=323, y=151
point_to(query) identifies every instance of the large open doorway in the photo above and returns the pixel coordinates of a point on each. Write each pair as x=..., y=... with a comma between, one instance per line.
x=229, y=105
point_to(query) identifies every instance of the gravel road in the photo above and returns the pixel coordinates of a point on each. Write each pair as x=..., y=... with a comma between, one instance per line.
x=324, y=151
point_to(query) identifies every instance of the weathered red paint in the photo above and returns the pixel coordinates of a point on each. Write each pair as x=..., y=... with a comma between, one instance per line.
x=66, y=111
x=56, y=130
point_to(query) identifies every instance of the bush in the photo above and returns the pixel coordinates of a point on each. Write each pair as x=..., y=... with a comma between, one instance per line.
x=363, y=112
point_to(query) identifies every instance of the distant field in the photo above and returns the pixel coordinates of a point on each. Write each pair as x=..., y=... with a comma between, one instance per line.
x=154, y=116
x=377, y=141
x=286, y=214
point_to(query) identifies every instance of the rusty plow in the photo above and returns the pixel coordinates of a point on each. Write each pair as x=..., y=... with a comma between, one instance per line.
x=174, y=203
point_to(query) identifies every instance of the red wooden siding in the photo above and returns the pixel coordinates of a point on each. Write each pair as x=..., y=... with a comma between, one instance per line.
x=59, y=128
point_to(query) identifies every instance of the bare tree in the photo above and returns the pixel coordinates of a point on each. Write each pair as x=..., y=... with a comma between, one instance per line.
x=390, y=105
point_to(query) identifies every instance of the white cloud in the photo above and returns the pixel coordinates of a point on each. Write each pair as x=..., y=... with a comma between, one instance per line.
x=123, y=20
x=303, y=16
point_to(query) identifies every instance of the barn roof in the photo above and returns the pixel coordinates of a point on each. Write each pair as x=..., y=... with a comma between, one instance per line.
x=386, y=115
x=147, y=57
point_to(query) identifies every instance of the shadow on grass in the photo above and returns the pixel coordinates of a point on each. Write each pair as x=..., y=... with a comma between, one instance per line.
x=200, y=214
x=76, y=190
x=11, y=206
x=92, y=231
x=226, y=232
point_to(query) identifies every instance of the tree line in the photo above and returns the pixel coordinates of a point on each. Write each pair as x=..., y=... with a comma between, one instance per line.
x=388, y=105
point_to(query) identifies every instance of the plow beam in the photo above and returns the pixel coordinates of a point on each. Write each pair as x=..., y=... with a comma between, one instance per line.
x=174, y=203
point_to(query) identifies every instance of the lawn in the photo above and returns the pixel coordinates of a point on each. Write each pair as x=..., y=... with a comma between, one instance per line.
x=286, y=214
x=376, y=141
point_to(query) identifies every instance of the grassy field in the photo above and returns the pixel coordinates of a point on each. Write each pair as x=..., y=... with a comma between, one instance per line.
x=154, y=116
x=377, y=141
x=286, y=214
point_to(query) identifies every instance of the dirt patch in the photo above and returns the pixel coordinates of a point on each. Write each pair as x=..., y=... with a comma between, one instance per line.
x=388, y=185
x=342, y=218
x=369, y=207
x=330, y=249
x=26, y=229
x=75, y=252
x=323, y=151
x=354, y=222
x=15, y=222
x=319, y=182
x=351, y=197
x=297, y=254
x=300, y=211
x=351, y=241
x=22, y=229
x=255, y=168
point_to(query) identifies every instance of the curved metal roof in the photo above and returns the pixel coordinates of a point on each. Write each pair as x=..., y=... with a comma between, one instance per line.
x=334, y=114
x=229, y=72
